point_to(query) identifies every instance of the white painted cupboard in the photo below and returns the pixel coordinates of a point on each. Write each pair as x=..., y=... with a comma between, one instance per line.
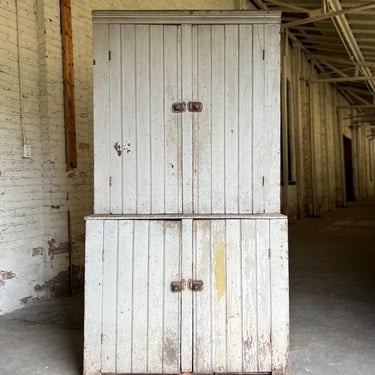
x=186, y=254
x=151, y=157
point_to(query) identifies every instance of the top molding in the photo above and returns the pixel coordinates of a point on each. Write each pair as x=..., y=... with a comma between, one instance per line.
x=185, y=17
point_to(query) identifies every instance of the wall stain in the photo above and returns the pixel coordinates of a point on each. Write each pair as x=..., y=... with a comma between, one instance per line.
x=53, y=249
x=219, y=259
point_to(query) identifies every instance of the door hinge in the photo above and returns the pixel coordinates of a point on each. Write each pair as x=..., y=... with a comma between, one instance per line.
x=93, y=62
x=263, y=180
x=269, y=254
x=110, y=181
x=109, y=55
x=103, y=255
x=264, y=54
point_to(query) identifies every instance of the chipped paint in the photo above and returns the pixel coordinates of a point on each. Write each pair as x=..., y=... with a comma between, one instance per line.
x=53, y=249
x=6, y=275
x=38, y=251
x=219, y=256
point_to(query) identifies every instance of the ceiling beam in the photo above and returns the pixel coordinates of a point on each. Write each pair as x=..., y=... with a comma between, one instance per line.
x=283, y=4
x=350, y=40
x=357, y=106
x=328, y=15
x=340, y=79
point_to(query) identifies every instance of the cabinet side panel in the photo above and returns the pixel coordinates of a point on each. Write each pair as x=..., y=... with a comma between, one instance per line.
x=101, y=120
x=93, y=297
x=259, y=136
x=272, y=119
x=263, y=295
x=280, y=295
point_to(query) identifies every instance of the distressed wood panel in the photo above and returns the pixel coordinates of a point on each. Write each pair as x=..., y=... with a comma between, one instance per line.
x=101, y=120
x=279, y=295
x=93, y=297
x=109, y=298
x=259, y=137
x=272, y=119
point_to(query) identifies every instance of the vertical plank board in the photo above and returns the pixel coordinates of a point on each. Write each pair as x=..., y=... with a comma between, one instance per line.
x=187, y=297
x=217, y=115
x=155, y=297
x=101, y=120
x=203, y=120
x=109, y=310
x=231, y=119
x=172, y=132
x=263, y=295
x=202, y=344
x=218, y=296
x=258, y=119
x=234, y=297
x=172, y=301
x=93, y=297
x=186, y=120
x=280, y=295
x=125, y=296
x=195, y=161
x=157, y=118
x=129, y=130
x=249, y=296
x=142, y=69
x=115, y=117
x=271, y=159
x=245, y=118
x=140, y=296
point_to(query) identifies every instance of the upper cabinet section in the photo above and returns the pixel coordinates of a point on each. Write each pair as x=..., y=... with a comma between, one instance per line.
x=186, y=114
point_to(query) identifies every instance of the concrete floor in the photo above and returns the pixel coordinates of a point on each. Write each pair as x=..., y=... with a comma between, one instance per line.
x=332, y=261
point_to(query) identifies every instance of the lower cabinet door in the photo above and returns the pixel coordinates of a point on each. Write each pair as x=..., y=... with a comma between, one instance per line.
x=191, y=295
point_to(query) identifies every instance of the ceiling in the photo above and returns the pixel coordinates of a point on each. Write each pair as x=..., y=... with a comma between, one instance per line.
x=339, y=36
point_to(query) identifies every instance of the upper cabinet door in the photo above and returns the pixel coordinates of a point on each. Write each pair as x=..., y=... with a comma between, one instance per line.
x=236, y=135
x=138, y=166
x=187, y=118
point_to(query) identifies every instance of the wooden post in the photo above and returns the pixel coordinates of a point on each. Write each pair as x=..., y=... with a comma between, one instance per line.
x=68, y=80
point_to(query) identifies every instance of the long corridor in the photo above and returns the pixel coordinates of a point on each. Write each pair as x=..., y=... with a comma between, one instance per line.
x=332, y=292
x=332, y=280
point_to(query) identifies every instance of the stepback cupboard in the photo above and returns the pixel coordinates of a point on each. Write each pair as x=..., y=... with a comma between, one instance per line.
x=186, y=253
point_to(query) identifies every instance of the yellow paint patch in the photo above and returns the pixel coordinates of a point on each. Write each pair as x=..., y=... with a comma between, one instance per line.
x=219, y=258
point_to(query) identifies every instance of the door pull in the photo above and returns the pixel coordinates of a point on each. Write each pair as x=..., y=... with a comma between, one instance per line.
x=179, y=107
x=195, y=106
x=178, y=286
x=195, y=285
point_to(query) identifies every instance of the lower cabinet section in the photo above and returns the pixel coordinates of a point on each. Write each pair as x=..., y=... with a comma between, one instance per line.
x=202, y=295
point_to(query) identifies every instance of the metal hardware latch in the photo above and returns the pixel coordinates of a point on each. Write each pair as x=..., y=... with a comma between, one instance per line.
x=179, y=107
x=195, y=106
x=178, y=286
x=195, y=285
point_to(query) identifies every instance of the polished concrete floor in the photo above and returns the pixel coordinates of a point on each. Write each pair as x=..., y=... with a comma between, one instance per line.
x=332, y=289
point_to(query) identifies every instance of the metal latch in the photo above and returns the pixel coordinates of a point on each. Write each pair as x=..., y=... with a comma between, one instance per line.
x=195, y=106
x=179, y=107
x=178, y=286
x=195, y=285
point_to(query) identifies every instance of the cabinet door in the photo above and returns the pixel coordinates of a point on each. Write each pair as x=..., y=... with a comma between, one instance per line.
x=235, y=70
x=243, y=266
x=132, y=317
x=137, y=77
